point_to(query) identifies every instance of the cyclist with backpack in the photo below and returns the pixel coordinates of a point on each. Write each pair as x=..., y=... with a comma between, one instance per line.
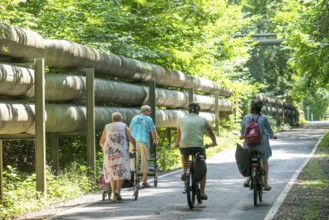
x=256, y=131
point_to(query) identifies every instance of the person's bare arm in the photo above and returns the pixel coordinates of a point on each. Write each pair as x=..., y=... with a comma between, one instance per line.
x=103, y=138
x=212, y=137
x=130, y=137
x=154, y=137
x=179, y=134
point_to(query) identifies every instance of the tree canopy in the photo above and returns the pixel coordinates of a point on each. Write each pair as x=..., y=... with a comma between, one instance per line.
x=197, y=37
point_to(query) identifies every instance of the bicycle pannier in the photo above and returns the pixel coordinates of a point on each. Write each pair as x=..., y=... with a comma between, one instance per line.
x=200, y=169
x=242, y=160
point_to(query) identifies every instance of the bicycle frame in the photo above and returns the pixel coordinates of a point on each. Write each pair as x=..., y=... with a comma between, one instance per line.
x=256, y=176
x=192, y=188
x=255, y=164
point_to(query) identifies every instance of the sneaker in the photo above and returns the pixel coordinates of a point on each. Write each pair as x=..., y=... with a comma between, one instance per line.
x=118, y=196
x=267, y=187
x=247, y=183
x=146, y=185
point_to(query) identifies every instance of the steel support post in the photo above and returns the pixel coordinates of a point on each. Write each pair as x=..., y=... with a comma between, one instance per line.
x=190, y=96
x=40, y=125
x=152, y=99
x=169, y=136
x=216, y=112
x=91, y=146
x=278, y=115
x=1, y=172
x=283, y=115
x=152, y=105
x=53, y=141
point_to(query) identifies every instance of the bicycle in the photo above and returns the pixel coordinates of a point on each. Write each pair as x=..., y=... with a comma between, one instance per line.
x=192, y=186
x=257, y=173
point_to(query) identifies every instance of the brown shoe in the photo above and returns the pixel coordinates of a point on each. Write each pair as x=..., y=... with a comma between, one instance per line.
x=118, y=196
x=267, y=187
x=146, y=185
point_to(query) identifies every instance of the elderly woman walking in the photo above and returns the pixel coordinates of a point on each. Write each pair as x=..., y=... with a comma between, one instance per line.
x=116, y=163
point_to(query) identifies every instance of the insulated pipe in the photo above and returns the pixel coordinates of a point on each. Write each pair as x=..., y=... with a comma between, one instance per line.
x=21, y=43
x=16, y=81
x=18, y=42
x=277, y=108
x=18, y=118
x=256, y=35
x=275, y=102
x=60, y=85
x=70, y=54
x=266, y=42
x=19, y=81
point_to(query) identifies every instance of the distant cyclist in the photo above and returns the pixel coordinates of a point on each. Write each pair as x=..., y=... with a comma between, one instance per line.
x=265, y=131
x=190, y=133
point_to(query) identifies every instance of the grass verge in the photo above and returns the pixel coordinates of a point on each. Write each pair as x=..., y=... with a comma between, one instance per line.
x=309, y=197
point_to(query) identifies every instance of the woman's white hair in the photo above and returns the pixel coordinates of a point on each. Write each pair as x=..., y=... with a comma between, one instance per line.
x=116, y=116
x=145, y=108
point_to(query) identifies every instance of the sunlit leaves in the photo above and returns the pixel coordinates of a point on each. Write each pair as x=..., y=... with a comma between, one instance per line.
x=305, y=25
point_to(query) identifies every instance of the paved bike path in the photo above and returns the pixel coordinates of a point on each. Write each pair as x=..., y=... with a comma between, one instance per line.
x=227, y=199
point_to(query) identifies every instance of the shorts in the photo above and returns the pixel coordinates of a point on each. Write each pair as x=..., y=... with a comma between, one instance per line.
x=186, y=151
x=142, y=152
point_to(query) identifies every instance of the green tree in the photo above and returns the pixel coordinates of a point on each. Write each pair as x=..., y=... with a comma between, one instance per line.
x=267, y=63
x=305, y=27
x=191, y=36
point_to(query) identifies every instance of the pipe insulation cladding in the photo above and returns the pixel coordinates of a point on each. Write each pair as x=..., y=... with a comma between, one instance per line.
x=19, y=81
x=20, y=43
x=19, y=118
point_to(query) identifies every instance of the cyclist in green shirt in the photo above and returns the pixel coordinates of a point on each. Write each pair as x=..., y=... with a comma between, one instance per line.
x=190, y=133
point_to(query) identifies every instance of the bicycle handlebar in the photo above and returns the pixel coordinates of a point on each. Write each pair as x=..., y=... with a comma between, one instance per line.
x=208, y=146
x=205, y=145
x=271, y=136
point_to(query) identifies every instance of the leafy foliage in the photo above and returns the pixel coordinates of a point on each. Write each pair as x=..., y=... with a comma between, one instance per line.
x=19, y=154
x=318, y=102
x=21, y=197
x=305, y=27
x=195, y=37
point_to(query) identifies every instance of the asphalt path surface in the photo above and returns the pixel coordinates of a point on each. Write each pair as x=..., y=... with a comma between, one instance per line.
x=227, y=198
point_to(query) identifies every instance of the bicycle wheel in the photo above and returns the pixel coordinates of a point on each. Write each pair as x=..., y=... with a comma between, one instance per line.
x=189, y=190
x=155, y=181
x=260, y=185
x=136, y=191
x=198, y=194
x=104, y=193
x=255, y=186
